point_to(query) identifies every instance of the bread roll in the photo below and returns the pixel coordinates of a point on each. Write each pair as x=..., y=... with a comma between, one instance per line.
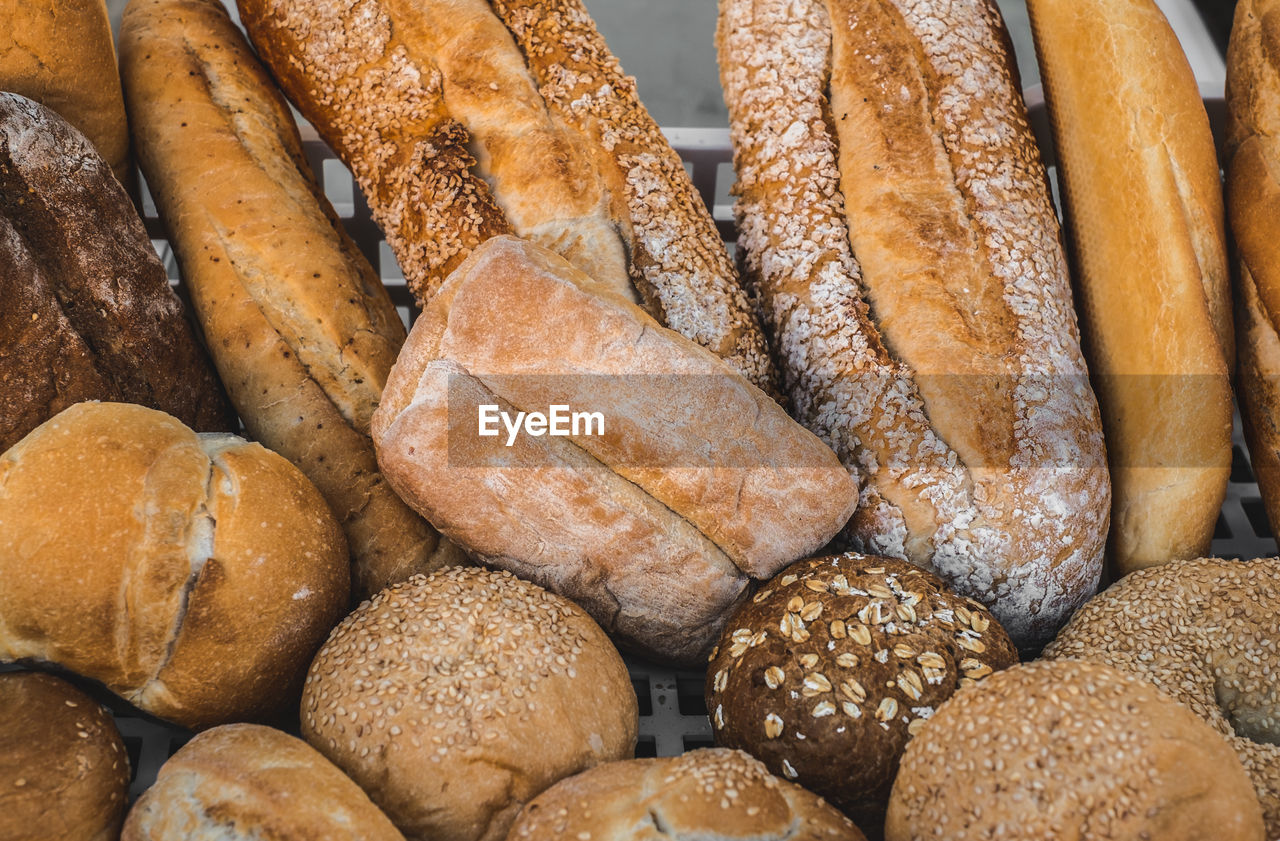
x=454, y=699
x=697, y=483
x=246, y=781
x=708, y=795
x=61, y=53
x=89, y=314
x=1143, y=201
x=908, y=258
x=300, y=327
x=64, y=772
x=1054, y=750
x=565, y=155
x=832, y=667
x=1204, y=631
x=1253, y=201
x=194, y=575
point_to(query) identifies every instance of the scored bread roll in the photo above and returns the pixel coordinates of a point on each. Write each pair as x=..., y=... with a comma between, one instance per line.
x=88, y=312
x=1143, y=203
x=455, y=698
x=1253, y=205
x=246, y=781
x=61, y=53
x=64, y=772
x=693, y=482
x=298, y=323
x=565, y=155
x=709, y=795
x=194, y=575
x=895, y=214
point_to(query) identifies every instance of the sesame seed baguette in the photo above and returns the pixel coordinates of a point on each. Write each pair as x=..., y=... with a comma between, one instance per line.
x=377, y=100
x=908, y=259
x=1253, y=202
x=1143, y=200
x=301, y=329
x=678, y=262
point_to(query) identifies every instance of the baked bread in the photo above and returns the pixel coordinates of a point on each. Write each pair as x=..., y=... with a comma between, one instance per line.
x=64, y=772
x=89, y=314
x=836, y=662
x=454, y=699
x=1253, y=200
x=707, y=795
x=894, y=213
x=246, y=781
x=300, y=327
x=565, y=155
x=1143, y=201
x=1053, y=750
x=654, y=520
x=61, y=53
x=194, y=575
x=1206, y=632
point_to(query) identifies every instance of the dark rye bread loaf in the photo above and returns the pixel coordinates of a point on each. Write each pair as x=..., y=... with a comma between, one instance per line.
x=89, y=314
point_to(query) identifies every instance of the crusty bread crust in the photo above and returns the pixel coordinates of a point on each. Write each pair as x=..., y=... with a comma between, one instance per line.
x=299, y=325
x=1143, y=200
x=923, y=315
x=61, y=53
x=698, y=482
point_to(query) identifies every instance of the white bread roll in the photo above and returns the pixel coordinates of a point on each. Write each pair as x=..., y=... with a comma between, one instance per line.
x=194, y=575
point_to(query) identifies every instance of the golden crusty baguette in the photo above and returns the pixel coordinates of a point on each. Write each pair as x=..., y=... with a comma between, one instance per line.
x=61, y=54
x=405, y=89
x=654, y=521
x=1253, y=207
x=895, y=214
x=299, y=326
x=1143, y=200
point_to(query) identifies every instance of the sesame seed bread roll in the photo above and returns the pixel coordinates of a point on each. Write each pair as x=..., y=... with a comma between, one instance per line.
x=1143, y=201
x=454, y=699
x=1253, y=205
x=64, y=771
x=405, y=90
x=246, y=781
x=61, y=53
x=704, y=795
x=1206, y=632
x=1053, y=750
x=299, y=326
x=194, y=575
x=654, y=521
x=895, y=214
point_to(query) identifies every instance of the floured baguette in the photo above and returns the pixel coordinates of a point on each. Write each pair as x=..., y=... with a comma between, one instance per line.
x=654, y=521
x=300, y=327
x=404, y=89
x=1143, y=201
x=908, y=257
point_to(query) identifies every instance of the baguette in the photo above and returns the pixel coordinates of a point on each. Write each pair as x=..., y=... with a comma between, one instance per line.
x=909, y=262
x=400, y=88
x=61, y=54
x=300, y=327
x=1253, y=202
x=1143, y=202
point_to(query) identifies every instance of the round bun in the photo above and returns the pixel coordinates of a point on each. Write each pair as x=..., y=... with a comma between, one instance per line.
x=64, y=773
x=195, y=575
x=249, y=781
x=1054, y=750
x=1207, y=632
x=704, y=795
x=832, y=666
x=455, y=698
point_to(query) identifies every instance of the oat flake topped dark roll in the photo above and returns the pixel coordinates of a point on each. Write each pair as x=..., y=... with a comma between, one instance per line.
x=836, y=662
